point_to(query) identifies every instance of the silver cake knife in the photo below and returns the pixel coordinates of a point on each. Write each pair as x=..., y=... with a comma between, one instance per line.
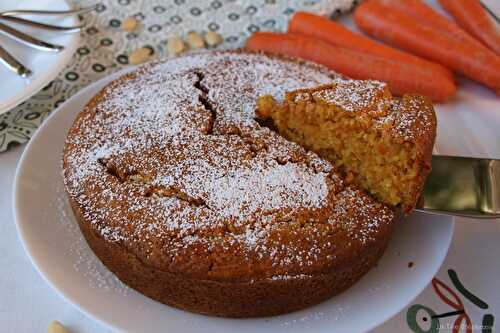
x=462, y=186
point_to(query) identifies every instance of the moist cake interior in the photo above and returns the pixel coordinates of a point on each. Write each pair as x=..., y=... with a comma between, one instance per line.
x=353, y=124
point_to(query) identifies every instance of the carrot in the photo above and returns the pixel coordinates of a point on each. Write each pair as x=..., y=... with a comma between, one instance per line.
x=471, y=15
x=401, y=77
x=327, y=30
x=425, y=14
x=394, y=27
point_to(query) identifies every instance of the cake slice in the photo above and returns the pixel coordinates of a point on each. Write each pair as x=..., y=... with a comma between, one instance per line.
x=383, y=144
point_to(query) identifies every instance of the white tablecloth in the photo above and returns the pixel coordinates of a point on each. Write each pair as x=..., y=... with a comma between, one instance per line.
x=27, y=303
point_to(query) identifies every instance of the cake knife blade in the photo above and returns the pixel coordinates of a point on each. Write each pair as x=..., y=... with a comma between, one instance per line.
x=462, y=186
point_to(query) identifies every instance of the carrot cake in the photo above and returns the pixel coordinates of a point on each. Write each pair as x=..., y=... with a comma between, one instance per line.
x=188, y=199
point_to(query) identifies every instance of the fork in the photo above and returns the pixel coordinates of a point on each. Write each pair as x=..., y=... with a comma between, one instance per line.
x=13, y=64
x=29, y=40
x=12, y=16
x=80, y=11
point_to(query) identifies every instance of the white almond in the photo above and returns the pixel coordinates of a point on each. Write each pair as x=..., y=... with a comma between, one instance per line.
x=213, y=39
x=175, y=46
x=195, y=41
x=56, y=327
x=130, y=24
x=139, y=56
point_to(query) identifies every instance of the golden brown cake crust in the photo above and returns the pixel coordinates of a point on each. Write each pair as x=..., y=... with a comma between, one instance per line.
x=186, y=198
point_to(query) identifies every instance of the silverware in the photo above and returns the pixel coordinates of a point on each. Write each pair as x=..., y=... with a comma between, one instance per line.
x=28, y=40
x=11, y=16
x=10, y=62
x=50, y=12
x=39, y=25
x=462, y=186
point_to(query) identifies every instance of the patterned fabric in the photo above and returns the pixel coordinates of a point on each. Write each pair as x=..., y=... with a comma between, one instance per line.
x=104, y=46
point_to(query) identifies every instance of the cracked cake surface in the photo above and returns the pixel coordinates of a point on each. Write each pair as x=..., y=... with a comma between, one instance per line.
x=168, y=165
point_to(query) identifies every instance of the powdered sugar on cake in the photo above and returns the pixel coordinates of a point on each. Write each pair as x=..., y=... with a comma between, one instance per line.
x=367, y=96
x=173, y=155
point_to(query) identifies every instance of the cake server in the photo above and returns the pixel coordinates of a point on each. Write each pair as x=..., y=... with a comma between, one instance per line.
x=462, y=186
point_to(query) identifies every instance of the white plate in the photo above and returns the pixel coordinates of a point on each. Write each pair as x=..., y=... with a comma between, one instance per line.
x=56, y=247
x=45, y=65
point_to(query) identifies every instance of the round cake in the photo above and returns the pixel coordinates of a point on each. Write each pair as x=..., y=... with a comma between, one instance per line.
x=188, y=199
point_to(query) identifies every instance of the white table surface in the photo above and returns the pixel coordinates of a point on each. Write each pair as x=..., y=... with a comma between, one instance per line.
x=27, y=303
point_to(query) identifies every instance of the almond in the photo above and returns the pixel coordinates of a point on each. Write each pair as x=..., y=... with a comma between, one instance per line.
x=175, y=46
x=130, y=24
x=213, y=39
x=56, y=327
x=140, y=55
x=195, y=41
